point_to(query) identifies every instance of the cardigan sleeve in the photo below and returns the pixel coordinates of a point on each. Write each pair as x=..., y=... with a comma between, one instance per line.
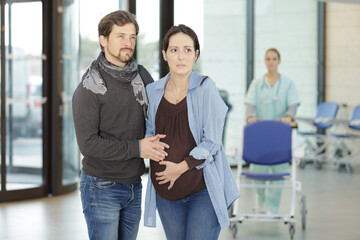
x=150, y=120
x=213, y=116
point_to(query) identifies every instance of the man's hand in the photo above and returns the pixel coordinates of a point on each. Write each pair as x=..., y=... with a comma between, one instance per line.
x=152, y=148
x=171, y=173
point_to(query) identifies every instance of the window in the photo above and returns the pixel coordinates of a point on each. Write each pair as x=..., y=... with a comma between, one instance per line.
x=147, y=48
x=222, y=44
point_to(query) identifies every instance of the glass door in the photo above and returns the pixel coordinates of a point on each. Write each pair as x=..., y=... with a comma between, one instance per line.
x=70, y=73
x=24, y=100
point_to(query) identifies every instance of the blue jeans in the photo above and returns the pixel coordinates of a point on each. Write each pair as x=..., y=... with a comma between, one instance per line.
x=189, y=218
x=112, y=210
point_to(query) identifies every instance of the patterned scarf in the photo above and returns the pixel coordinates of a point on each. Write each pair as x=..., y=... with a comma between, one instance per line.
x=93, y=81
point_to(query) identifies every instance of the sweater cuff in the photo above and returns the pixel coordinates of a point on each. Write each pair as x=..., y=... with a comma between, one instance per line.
x=192, y=162
x=134, y=148
x=250, y=110
x=292, y=111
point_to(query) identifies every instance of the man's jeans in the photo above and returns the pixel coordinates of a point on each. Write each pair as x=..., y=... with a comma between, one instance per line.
x=189, y=218
x=112, y=210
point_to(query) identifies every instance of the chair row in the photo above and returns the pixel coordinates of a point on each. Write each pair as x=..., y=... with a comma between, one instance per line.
x=324, y=145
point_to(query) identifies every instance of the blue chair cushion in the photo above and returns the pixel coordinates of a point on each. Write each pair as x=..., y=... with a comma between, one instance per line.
x=265, y=177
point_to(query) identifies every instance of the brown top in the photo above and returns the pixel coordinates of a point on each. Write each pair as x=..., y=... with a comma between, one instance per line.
x=172, y=120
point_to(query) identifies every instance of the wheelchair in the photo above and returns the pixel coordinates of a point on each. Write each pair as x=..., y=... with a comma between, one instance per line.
x=268, y=143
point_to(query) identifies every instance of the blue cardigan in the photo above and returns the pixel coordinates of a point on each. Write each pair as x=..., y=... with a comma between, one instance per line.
x=206, y=115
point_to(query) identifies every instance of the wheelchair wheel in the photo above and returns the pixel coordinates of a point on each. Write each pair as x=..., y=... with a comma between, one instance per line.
x=303, y=212
x=292, y=231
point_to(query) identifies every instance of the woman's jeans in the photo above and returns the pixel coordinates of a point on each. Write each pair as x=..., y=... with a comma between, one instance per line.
x=189, y=218
x=112, y=210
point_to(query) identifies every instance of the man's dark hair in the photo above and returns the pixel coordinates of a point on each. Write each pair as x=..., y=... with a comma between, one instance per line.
x=120, y=18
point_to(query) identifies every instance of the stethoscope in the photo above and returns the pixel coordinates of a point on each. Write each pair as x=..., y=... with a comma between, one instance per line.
x=275, y=98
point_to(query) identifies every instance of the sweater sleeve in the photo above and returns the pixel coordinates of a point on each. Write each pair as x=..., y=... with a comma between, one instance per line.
x=86, y=113
x=192, y=162
x=250, y=110
x=292, y=111
x=145, y=75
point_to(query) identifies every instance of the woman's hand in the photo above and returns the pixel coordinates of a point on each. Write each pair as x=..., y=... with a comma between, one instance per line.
x=286, y=119
x=171, y=173
x=252, y=120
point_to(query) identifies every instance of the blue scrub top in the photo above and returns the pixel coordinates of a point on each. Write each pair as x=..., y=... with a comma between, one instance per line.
x=271, y=103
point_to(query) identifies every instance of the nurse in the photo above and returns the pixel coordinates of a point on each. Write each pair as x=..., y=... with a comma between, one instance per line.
x=271, y=97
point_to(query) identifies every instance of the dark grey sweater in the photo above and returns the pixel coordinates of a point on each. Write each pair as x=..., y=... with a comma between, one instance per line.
x=108, y=129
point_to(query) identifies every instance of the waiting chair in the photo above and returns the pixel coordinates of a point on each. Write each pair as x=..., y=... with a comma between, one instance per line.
x=343, y=153
x=268, y=143
x=315, y=143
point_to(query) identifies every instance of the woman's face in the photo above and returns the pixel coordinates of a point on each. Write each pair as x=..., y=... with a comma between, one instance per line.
x=180, y=54
x=272, y=61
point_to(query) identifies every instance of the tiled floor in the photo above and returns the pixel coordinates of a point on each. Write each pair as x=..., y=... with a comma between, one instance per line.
x=333, y=213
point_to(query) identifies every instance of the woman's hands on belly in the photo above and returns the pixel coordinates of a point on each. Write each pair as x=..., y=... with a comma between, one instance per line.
x=171, y=173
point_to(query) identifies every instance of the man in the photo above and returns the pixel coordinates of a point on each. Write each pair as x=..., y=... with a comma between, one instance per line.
x=109, y=108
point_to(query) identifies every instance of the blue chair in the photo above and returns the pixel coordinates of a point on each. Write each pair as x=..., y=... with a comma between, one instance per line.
x=316, y=142
x=268, y=143
x=325, y=112
x=344, y=154
x=354, y=121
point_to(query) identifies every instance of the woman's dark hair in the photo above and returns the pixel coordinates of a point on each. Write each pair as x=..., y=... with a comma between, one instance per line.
x=119, y=18
x=273, y=50
x=181, y=29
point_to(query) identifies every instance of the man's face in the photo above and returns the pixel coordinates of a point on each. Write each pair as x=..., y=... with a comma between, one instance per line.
x=119, y=46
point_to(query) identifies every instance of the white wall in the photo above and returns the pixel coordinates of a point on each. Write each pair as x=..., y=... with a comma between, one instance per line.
x=291, y=27
x=223, y=57
x=343, y=53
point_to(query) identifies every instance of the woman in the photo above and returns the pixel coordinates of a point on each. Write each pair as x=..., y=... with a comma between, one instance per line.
x=193, y=187
x=271, y=97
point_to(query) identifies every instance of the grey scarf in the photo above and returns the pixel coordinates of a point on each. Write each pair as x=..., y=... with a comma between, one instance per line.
x=93, y=81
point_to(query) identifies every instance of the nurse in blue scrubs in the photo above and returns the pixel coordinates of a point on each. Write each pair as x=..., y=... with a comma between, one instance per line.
x=271, y=97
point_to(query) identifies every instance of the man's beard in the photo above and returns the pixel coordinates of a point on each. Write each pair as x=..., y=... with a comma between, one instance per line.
x=124, y=58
